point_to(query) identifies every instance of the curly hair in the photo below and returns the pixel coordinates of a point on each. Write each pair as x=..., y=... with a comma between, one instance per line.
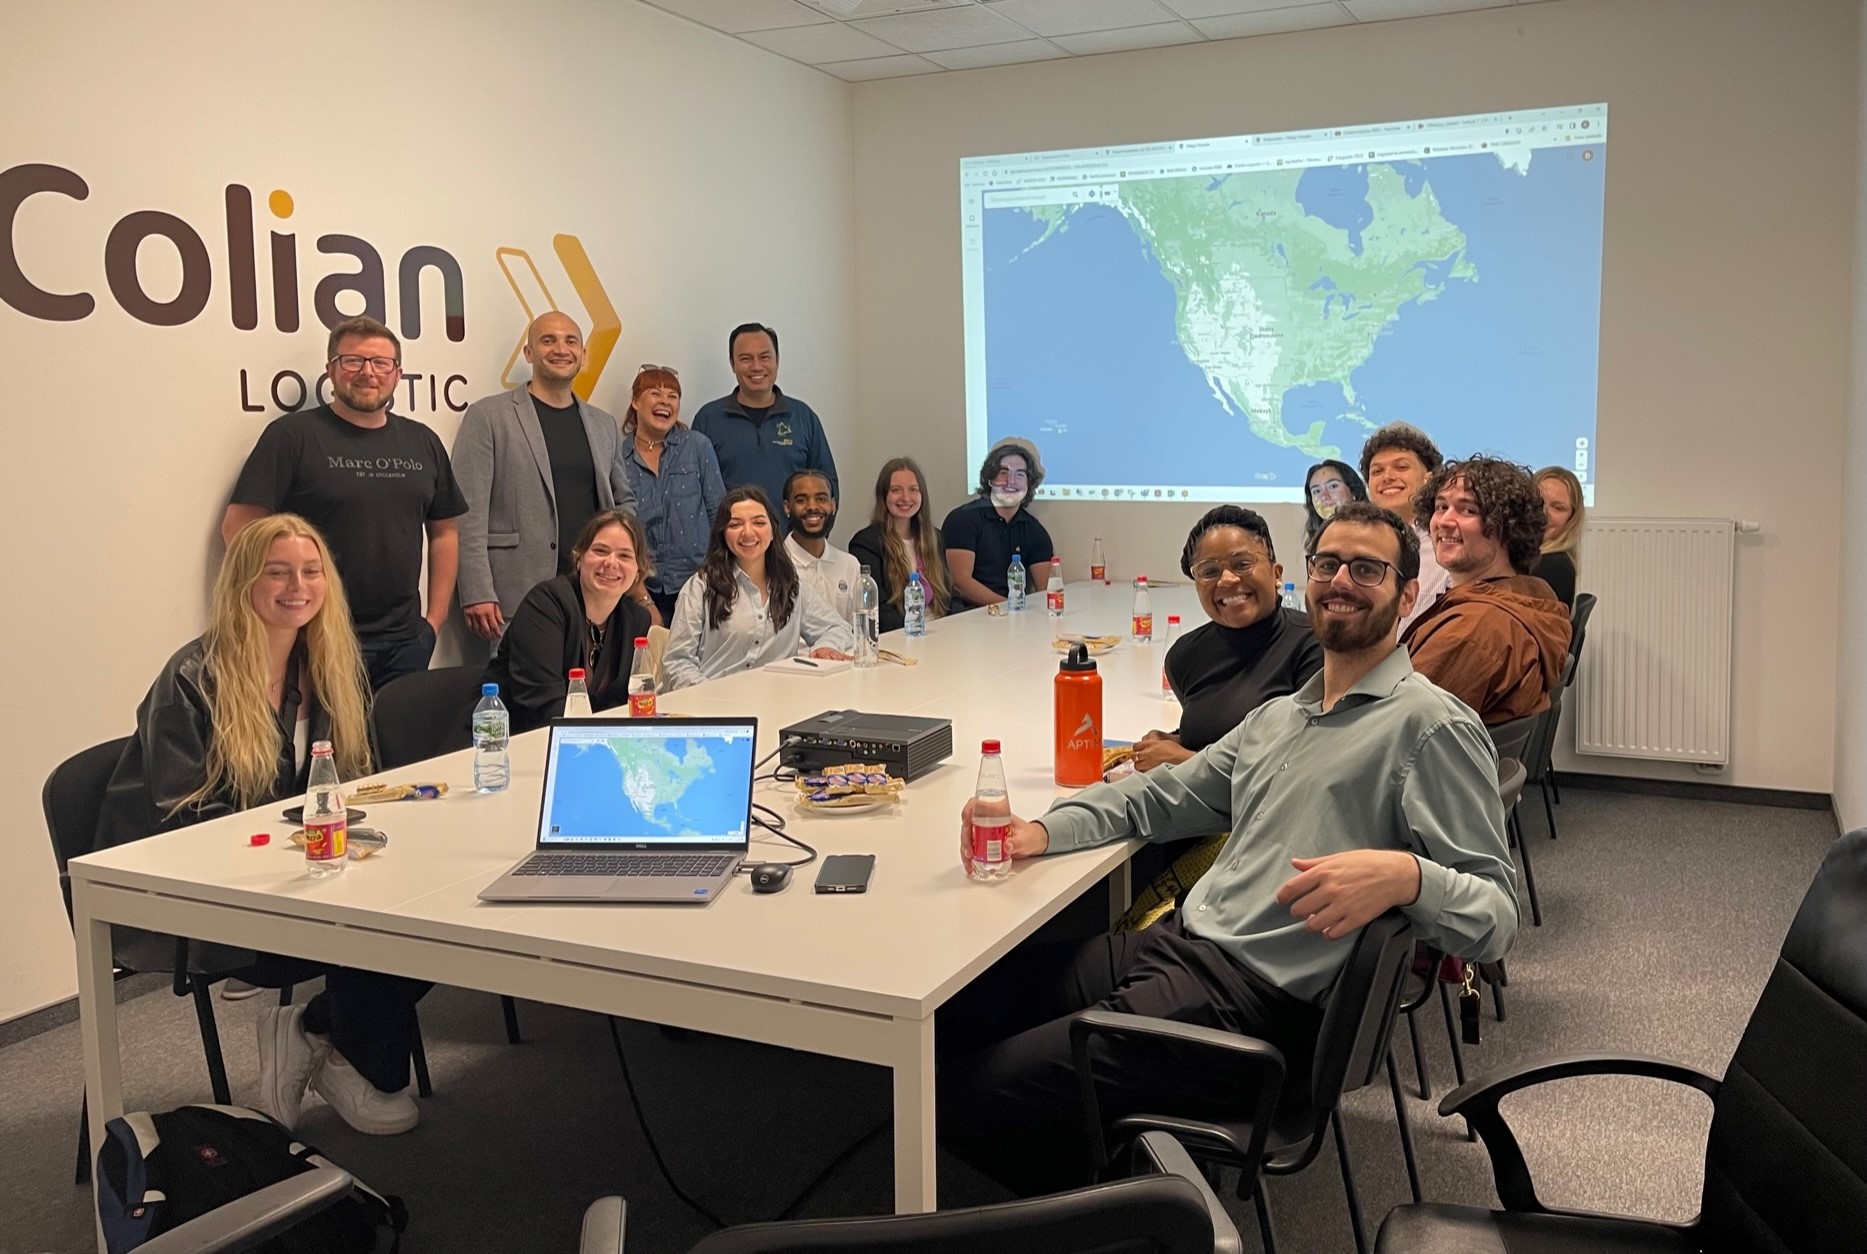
x=1405, y=436
x=1013, y=446
x=1368, y=514
x=1248, y=521
x=1509, y=503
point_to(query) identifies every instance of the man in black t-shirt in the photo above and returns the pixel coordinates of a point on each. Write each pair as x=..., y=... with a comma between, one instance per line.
x=374, y=483
x=981, y=535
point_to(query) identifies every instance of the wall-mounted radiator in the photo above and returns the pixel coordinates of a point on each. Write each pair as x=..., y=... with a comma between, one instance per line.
x=1655, y=679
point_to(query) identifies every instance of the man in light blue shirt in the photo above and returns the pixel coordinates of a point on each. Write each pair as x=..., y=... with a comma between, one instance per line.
x=1369, y=789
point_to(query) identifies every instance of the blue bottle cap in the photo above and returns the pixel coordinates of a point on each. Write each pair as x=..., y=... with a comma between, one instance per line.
x=489, y=690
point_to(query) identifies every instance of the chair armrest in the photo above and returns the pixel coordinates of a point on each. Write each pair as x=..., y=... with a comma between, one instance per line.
x=603, y=1226
x=248, y=1222
x=1478, y=1102
x=1254, y=1056
x=1161, y=1155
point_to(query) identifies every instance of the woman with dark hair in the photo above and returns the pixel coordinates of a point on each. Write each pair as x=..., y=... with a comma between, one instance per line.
x=982, y=535
x=901, y=541
x=745, y=607
x=1329, y=486
x=588, y=617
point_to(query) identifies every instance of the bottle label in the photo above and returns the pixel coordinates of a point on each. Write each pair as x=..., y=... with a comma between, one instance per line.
x=641, y=705
x=1098, y=572
x=326, y=842
x=1143, y=626
x=988, y=843
x=1054, y=601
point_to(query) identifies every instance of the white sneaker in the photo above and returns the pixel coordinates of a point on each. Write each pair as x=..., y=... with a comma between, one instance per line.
x=288, y=1058
x=361, y=1104
x=238, y=990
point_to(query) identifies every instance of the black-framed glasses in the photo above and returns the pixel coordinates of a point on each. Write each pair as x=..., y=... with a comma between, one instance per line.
x=1213, y=569
x=649, y=365
x=1369, y=572
x=350, y=363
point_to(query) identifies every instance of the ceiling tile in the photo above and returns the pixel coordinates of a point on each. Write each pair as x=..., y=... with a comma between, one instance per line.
x=1222, y=8
x=943, y=28
x=817, y=45
x=1071, y=17
x=997, y=54
x=737, y=16
x=1157, y=35
x=1381, y=10
x=880, y=67
x=1274, y=21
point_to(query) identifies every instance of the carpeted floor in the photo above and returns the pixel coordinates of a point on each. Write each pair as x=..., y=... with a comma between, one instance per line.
x=1662, y=919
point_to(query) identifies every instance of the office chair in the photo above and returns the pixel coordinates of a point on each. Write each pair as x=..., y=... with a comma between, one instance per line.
x=657, y=645
x=250, y=1222
x=1785, y=1163
x=1578, y=634
x=1542, y=746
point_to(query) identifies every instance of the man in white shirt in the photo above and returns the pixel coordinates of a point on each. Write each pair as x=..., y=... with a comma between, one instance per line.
x=1396, y=461
x=810, y=507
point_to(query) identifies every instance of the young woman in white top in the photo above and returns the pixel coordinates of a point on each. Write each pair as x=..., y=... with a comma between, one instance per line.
x=745, y=607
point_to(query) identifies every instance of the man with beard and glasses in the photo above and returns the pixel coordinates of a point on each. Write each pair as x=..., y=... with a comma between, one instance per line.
x=810, y=508
x=1366, y=790
x=535, y=464
x=376, y=485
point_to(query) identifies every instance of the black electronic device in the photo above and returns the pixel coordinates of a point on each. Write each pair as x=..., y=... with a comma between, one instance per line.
x=770, y=877
x=846, y=873
x=905, y=745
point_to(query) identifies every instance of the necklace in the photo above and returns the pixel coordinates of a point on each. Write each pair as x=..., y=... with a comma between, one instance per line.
x=596, y=644
x=650, y=446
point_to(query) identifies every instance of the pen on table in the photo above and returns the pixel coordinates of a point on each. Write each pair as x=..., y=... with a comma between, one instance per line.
x=804, y=661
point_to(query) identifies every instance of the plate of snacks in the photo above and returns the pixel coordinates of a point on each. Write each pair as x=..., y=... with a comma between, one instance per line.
x=1097, y=645
x=847, y=789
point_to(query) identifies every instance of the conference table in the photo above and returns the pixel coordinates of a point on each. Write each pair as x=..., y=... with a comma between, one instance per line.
x=853, y=976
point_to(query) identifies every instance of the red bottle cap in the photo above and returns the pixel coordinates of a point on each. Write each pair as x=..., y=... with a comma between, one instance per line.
x=990, y=746
x=259, y=838
x=1173, y=618
x=576, y=672
x=641, y=642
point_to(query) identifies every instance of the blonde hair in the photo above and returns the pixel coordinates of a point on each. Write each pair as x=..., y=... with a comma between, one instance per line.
x=926, y=546
x=243, y=751
x=1569, y=539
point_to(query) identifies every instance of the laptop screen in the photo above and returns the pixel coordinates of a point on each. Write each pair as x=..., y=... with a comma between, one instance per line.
x=641, y=782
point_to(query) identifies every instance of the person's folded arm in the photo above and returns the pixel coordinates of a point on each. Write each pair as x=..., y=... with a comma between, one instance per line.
x=1449, y=801
x=1458, y=663
x=819, y=626
x=535, y=662
x=1193, y=798
x=680, y=661
x=959, y=564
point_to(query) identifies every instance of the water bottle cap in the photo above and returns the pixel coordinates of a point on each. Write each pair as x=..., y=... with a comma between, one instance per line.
x=576, y=672
x=1140, y=581
x=641, y=642
x=1173, y=618
x=989, y=746
x=489, y=690
x=321, y=747
x=865, y=569
x=1078, y=659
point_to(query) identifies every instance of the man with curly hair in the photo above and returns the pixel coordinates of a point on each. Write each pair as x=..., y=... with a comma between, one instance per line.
x=1498, y=638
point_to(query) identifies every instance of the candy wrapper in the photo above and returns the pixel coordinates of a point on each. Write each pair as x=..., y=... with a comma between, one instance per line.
x=372, y=793
x=852, y=786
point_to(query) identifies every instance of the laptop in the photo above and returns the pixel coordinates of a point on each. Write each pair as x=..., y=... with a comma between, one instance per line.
x=655, y=809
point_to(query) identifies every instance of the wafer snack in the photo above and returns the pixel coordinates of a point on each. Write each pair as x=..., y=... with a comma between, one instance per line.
x=848, y=787
x=372, y=793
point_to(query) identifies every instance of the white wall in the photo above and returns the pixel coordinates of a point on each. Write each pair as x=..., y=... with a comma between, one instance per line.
x=708, y=181
x=1851, y=665
x=1723, y=342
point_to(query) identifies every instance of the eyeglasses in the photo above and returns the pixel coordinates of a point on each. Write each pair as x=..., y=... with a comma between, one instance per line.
x=1213, y=569
x=649, y=365
x=1011, y=476
x=350, y=363
x=1369, y=572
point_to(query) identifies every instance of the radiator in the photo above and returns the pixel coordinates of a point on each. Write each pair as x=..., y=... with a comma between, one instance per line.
x=1655, y=677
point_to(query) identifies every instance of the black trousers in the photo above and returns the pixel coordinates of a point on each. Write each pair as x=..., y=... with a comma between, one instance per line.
x=1009, y=1100
x=392, y=659
x=370, y=1017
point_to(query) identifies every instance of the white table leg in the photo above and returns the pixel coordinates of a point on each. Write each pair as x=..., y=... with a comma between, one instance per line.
x=914, y=1117
x=97, y=1020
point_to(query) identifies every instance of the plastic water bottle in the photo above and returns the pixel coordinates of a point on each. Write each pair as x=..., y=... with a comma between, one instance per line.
x=492, y=732
x=1173, y=633
x=641, y=682
x=327, y=828
x=1015, y=584
x=577, y=698
x=1290, y=595
x=868, y=624
x=914, y=606
x=1141, y=625
x=1098, y=568
x=1053, y=591
x=991, y=817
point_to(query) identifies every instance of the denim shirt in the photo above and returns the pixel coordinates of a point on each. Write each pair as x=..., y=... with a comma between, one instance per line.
x=677, y=504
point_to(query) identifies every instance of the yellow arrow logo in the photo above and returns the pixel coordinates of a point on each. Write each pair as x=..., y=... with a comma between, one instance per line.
x=528, y=287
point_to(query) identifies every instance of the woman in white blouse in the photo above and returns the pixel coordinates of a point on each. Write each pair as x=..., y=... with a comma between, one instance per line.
x=745, y=607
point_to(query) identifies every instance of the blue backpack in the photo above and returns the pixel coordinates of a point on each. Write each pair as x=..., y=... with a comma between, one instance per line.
x=156, y=1172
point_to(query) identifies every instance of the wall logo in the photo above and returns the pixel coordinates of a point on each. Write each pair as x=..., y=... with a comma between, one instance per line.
x=528, y=287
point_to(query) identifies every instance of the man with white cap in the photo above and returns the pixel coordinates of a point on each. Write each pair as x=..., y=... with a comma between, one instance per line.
x=981, y=535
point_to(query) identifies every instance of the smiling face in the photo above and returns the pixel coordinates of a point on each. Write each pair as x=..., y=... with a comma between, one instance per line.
x=1347, y=616
x=290, y=589
x=657, y=409
x=1235, y=576
x=607, y=569
x=755, y=362
x=554, y=347
x=810, y=507
x=904, y=494
x=1327, y=491
x=364, y=372
x=748, y=533
x=1395, y=475
x=1556, y=506
x=1459, y=539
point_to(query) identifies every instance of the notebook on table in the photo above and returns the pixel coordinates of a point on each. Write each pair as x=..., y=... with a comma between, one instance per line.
x=639, y=810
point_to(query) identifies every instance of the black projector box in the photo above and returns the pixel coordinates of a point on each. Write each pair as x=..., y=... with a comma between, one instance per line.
x=904, y=745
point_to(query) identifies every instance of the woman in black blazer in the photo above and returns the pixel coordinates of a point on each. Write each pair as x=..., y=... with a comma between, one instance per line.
x=901, y=539
x=589, y=617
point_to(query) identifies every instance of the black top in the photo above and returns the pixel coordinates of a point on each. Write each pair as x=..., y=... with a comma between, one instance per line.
x=1220, y=674
x=547, y=636
x=573, y=472
x=372, y=491
x=1558, y=571
x=870, y=548
x=978, y=528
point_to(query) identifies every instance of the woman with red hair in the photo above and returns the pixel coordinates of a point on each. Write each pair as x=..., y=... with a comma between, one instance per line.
x=675, y=476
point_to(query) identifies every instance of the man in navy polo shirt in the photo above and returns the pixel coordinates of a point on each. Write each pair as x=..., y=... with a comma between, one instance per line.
x=981, y=535
x=761, y=435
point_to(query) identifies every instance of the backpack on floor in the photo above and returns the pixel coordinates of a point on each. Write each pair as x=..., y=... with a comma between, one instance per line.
x=156, y=1172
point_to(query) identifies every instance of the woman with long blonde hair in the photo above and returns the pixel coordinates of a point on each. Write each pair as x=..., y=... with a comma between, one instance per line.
x=229, y=725
x=901, y=539
x=1562, y=531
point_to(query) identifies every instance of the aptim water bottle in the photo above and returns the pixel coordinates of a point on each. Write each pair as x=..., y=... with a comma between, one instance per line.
x=577, y=697
x=1015, y=584
x=868, y=622
x=1173, y=633
x=492, y=732
x=1098, y=568
x=991, y=817
x=1053, y=590
x=914, y=606
x=1141, y=626
x=327, y=829
x=1078, y=756
x=641, y=682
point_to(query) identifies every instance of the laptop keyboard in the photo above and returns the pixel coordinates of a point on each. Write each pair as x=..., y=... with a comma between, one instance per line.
x=656, y=865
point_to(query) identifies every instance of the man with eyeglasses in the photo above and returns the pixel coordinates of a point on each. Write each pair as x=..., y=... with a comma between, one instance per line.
x=535, y=464
x=981, y=535
x=1368, y=789
x=377, y=485
x=761, y=435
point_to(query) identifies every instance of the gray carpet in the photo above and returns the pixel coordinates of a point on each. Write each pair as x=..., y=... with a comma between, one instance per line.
x=1662, y=919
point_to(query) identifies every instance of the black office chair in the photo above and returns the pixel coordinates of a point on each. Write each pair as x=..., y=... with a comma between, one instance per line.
x=1164, y=1206
x=1578, y=635
x=251, y=1222
x=1278, y=1137
x=1542, y=746
x=1785, y=1163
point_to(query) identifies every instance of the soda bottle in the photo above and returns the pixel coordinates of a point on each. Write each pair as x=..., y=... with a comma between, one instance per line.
x=1053, y=591
x=914, y=606
x=1141, y=627
x=1078, y=720
x=1014, y=583
x=492, y=732
x=641, y=682
x=577, y=697
x=1098, y=568
x=1173, y=633
x=868, y=622
x=327, y=828
x=991, y=817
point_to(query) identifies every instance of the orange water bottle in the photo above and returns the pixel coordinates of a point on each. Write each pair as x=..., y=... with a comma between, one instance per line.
x=1079, y=720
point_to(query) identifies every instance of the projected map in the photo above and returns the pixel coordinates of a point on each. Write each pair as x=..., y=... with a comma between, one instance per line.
x=649, y=787
x=1210, y=335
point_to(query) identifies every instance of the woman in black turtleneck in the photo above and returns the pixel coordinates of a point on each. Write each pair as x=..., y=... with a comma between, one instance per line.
x=1251, y=651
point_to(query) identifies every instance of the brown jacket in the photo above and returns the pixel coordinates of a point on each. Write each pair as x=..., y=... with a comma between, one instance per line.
x=1498, y=645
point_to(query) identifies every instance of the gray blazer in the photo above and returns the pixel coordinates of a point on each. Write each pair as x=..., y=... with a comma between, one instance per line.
x=511, y=523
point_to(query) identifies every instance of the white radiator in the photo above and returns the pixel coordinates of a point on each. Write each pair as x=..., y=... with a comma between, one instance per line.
x=1655, y=679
